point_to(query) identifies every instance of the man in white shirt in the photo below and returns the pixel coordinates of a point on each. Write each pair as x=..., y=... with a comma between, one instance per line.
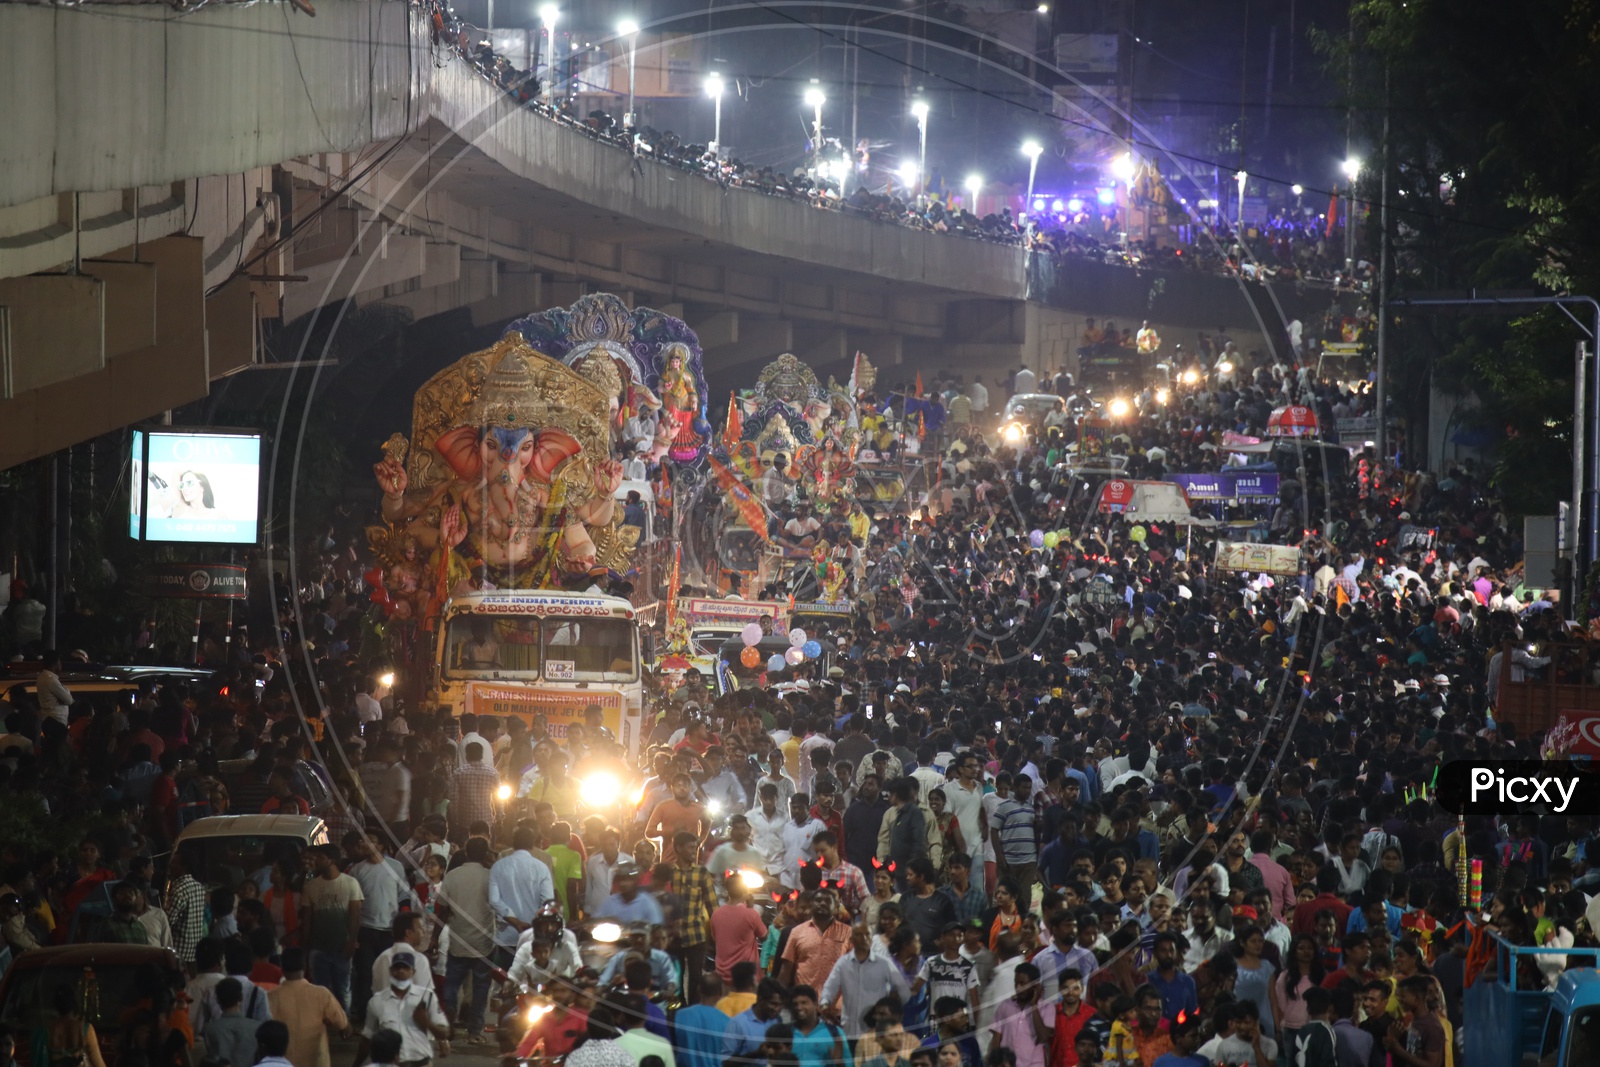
x=736, y=854
x=778, y=777
x=767, y=820
x=1205, y=937
x=721, y=786
x=54, y=698
x=963, y=798
x=367, y=707
x=598, y=868
x=470, y=734
x=801, y=531
x=799, y=830
x=775, y=483
x=410, y=1011
x=519, y=885
x=1024, y=382
x=979, y=395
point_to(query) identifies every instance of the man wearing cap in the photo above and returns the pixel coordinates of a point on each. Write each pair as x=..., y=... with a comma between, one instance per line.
x=410, y=1011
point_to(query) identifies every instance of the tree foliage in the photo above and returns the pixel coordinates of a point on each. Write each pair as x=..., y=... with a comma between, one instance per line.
x=1494, y=183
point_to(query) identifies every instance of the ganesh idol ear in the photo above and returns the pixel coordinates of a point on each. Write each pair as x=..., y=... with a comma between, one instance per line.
x=551, y=448
x=459, y=449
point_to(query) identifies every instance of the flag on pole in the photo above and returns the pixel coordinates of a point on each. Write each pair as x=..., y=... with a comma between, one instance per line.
x=734, y=427
x=855, y=377
x=1333, y=212
x=919, y=385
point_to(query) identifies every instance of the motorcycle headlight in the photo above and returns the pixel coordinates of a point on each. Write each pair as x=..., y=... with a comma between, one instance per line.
x=502, y=792
x=752, y=879
x=606, y=933
x=713, y=808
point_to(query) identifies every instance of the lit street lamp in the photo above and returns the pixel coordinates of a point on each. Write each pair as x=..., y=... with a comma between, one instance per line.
x=1033, y=150
x=630, y=29
x=814, y=99
x=974, y=185
x=549, y=14
x=1352, y=170
x=919, y=111
x=714, y=91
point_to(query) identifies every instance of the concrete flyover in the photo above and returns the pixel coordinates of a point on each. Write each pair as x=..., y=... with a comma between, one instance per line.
x=173, y=185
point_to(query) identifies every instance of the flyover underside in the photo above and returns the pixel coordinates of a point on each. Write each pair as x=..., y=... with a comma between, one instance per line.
x=175, y=185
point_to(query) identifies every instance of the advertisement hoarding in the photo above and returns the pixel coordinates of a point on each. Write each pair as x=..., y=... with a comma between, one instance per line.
x=196, y=486
x=198, y=581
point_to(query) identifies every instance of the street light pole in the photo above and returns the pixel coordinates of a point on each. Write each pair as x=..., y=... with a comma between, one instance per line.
x=816, y=98
x=714, y=91
x=550, y=14
x=1031, y=149
x=1352, y=170
x=919, y=110
x=630, y=29
x=1241, y=178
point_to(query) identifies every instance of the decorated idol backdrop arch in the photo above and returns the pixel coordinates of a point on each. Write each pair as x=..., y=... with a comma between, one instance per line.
x=656, y=358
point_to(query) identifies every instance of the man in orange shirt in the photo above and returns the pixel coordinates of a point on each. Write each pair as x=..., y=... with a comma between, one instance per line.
x=815, y=945
x=679, y=813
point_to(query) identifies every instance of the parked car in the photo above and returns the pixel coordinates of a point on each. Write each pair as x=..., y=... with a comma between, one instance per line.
x=226, y=849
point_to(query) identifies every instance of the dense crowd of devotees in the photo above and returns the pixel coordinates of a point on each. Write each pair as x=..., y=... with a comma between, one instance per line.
x=1093, y=803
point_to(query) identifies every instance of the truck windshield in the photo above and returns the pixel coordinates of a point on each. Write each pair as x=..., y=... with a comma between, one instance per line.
x=1584, y=1044
x=589, y=650
x=482, y=646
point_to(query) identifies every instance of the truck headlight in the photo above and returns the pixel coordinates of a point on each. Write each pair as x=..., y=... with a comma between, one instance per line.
x=599, y=790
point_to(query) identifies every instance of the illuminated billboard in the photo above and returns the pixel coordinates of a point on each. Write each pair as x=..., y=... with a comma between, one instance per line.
x=196, y=486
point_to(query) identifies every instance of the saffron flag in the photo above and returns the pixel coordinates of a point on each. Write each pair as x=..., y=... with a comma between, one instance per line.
x=750, y=509
x=1333, y=212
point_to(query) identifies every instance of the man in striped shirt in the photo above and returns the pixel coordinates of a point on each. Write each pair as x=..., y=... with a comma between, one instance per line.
x=1016, y=850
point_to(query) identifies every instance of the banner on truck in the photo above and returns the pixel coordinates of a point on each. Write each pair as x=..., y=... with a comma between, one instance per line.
x=560, y=707
x=1264, y=559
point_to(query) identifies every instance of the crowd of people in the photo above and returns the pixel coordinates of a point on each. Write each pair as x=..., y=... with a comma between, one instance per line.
x=1039, y=804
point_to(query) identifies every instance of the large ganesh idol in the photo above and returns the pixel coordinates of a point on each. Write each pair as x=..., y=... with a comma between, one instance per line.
x=507, y=482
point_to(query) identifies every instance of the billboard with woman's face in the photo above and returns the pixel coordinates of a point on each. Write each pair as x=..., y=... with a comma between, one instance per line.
x=197, y=486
